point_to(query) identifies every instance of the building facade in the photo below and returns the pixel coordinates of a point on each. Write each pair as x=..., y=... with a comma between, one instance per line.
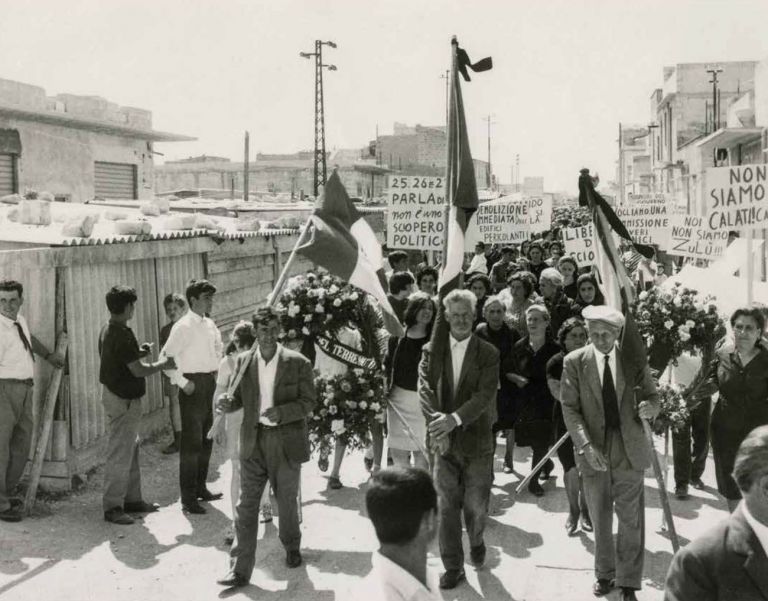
x=76, y=147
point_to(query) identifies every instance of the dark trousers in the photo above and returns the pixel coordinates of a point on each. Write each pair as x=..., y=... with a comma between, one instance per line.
x=15, y=434
x=267, y=464
x=463, y=485
x=194, y=447
x=691, y=460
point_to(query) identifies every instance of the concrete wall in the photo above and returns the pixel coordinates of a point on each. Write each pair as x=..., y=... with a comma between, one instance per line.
x=61, y=159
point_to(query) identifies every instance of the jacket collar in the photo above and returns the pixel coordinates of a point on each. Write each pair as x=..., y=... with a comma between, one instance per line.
x=741, y=539
x=590, y=359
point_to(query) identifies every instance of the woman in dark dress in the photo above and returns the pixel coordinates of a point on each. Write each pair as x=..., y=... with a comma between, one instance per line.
x=526, y=368
x=740, y=374
x=572, y=336
x=569, y=268
x=401, y=364
x=480, y=285
x=500, y=335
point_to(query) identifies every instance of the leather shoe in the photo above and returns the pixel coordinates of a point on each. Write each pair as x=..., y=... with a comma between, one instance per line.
x=233, y=579
x=207, y=495
x=194, y=507
x=12, y=514
x=681, y=491
x=451, y=579
x=571, y=524
x=546, y=471
x=116, y=515
x=627, y=594
x=293, y=559
x=603, y=586
x=697, y=484
x=16, y=504
x=535, y=488
x=140, y=507
x=335, y=483
x=586, y=522
x=477, y=555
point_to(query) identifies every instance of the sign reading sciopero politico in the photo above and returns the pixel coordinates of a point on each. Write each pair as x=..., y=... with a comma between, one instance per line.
x=646, y=219
x=691, y=236
x=416, y=212
x=578, y=242
x=737, y=197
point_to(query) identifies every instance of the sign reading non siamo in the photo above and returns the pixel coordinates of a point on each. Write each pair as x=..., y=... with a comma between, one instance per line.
x=499, y=221
x=579, y=243
x=646, y=219
x=737, y=197
x=691, y=236
x=416, y=212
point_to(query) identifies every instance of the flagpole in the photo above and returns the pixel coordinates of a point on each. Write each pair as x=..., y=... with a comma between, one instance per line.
x=449, y=188
x=275, y=294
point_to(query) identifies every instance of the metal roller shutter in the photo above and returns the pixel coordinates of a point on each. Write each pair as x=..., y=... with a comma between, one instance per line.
x=7, y=174
x=115, y=180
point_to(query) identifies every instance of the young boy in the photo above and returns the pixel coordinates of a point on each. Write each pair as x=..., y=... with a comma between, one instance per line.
x=175, y=307
x=122, y=373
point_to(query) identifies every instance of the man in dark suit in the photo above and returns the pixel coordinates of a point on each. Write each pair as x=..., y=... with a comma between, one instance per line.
x=458, y=396
x=729, y=562
x=277, y=393
x=598, y=396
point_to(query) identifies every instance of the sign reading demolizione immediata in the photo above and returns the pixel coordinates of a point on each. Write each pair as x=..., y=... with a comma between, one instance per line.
x=737, y=197
x=416, y=212
x=499, y=222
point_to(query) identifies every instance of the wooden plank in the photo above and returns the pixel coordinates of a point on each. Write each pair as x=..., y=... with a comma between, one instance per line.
x=258, y=245
x=244, y=298
x=234, y=280
x=232, y=264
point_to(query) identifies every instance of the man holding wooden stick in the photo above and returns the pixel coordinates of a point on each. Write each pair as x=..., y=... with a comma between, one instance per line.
x=597, y=394
x=17, y=358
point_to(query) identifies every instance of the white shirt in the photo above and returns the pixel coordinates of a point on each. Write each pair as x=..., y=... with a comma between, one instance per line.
x=600, y=358
x=458, y=351
x=267, y=372
x=15, y=361
x=389, y=582
x=760, y=529
x=195, y=344
x=479, y=264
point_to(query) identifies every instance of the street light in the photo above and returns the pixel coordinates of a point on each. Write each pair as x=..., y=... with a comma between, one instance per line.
x=319, y=159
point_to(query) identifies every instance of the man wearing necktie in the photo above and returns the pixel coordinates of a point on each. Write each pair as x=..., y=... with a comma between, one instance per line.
x=598, y=396
x=17, y=357
x=458, y=399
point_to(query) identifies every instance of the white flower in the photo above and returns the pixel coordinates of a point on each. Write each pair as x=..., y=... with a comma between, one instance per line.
x=358, y=371
x=291, y=333
x=337, y=302
x=363, y=405
x=677, y=301
x=353, y=296
x=326, y=401
x=689, y=323
x=685, y=336
x=369, y=394
x=643, y=295
x=319, y=308
x=293, y=309
x=668, y=324
x=305, y=331
x=307, y=318
x=352, y=404
x=313, y=437
x=337, y=426
x=280, y=307
x=333, y=289
x=333, y=410
x=683, y=328
x=380, y=417
x=375, y=406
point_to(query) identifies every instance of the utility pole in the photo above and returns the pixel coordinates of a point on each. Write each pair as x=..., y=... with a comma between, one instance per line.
x=490, y=171
x=246, y=166
x=651, y=134
x=320, y=172
x=517, y=173
x=715, y=98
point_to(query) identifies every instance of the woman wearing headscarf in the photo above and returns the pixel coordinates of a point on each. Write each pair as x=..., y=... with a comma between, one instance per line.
x=480, y=285
x=526, y=368
x=587, y=293
x=560, y=307
x=569, y=268
x=500, y=335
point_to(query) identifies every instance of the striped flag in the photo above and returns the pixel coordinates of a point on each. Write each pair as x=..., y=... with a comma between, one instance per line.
x=342, y=242
x=617, y=286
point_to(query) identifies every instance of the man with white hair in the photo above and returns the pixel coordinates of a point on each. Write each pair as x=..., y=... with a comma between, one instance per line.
x=560, y=307
x=599, y=393
x=457, y=387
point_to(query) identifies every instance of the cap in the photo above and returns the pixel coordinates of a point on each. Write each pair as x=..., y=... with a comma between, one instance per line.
x=605, y=314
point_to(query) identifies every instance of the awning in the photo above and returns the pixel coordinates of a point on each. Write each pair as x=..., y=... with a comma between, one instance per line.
x=728, y=137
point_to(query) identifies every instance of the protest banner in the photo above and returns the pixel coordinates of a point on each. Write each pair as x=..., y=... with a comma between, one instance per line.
x=578, y=243
x=644, y=199
x=736, y=197
x=540, y=214
x=499, y=221
x=691, y=236
x=416, y=206
x=647, y=219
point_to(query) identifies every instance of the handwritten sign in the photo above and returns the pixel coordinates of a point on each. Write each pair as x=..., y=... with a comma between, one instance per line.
x=499, y=221
x=579, y=243
x=691, y=236
x=645, y=199
x=416, y=216
x=540, y=214
x=737, y=197
x=647, y=221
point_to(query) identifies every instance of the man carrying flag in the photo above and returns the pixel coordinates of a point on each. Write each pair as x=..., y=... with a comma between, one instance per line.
x=458, y=373
x=600, y=385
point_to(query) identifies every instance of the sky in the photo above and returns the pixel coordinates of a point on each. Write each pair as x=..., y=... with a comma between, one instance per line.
x=566, y=73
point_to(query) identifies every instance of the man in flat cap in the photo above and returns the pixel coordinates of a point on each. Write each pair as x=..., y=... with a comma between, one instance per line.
x=600, y=411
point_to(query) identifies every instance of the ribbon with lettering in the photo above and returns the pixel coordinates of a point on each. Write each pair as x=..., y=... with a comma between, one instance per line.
x=343, y=353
